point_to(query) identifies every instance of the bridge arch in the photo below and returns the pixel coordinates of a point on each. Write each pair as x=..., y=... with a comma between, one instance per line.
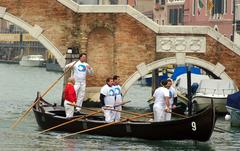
x=143, y=69
x=36, y=32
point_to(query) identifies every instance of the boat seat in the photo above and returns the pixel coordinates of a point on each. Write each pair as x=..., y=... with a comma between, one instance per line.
x=50, y=113
x=62, y=117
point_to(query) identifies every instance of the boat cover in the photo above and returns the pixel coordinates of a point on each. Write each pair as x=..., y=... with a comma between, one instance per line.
x=181, y=81
x=183, y=69
x=233, y=100
x=217, y=87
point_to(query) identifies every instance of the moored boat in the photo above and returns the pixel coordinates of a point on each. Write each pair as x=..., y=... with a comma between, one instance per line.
x=32, y=61
x=233, y=107
x=216, y=90
x=197, y=127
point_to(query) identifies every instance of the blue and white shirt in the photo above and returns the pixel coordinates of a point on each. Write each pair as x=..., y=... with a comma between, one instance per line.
x=109, y=99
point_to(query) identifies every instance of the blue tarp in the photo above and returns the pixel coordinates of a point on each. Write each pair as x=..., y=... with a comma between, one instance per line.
x=233, y=100
x=183, y=69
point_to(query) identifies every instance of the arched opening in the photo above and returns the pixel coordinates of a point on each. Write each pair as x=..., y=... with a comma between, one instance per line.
x=215, y=70
x=100, y=54
x=36, y=32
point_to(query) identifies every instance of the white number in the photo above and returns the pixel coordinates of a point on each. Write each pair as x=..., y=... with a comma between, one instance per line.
x=194, y=126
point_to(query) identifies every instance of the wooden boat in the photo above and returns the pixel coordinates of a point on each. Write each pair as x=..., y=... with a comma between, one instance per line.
x=197, y=127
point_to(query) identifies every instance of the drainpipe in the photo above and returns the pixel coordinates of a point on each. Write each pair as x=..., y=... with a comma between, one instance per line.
x=234, y=20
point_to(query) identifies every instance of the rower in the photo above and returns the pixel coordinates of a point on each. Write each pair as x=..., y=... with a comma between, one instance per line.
x=107, y=98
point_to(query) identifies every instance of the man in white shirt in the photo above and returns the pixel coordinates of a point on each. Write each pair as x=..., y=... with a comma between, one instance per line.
x=118, y=96
x=80, y=71
x=162, y=102
x=107, y=98
x=173, y=98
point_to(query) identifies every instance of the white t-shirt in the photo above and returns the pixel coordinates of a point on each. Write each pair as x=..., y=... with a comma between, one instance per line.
x=172, y=94
x=80, y=70
x=118, y=95
x=109, y=99
x=160, y=94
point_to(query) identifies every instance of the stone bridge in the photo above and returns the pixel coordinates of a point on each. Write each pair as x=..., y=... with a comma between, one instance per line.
x=120, y=40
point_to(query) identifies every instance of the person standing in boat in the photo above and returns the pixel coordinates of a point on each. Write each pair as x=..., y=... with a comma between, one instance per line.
x=173, y=98
x=162, y=102
x=118, y=96
x=107, y=99
x=80, y=70
x=70, y=97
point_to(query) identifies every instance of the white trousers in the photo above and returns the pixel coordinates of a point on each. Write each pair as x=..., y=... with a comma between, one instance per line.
x=80, y=88
x=160, y=114
x=69, y=109
x=118, y=114
x=109, y=114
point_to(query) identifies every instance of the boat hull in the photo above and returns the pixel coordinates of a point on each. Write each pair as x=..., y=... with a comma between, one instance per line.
x=31, y=63
x=198, y=127
x=204, y=101
x=53, y=67
x=235, y=116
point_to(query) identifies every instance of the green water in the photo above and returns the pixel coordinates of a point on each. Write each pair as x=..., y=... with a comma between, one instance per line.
x=18, y=88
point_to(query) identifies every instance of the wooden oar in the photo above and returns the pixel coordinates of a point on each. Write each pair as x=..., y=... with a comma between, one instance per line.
x=127, y=112
x=36, y=101
x=108, y=124
x=223, y=130
x=95, y=112
x=86, y=108
x=82, y=117
x=174, y=113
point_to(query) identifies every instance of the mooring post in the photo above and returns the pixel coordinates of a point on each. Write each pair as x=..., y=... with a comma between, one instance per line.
x=155, y=81
x=189, y=90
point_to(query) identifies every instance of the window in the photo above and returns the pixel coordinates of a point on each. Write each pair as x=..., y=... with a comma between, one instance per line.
x=238, y=25
x=218, y=7
x=113, y=1
x=176, y=16
x=194, y=8
x=225, y=6
x=162, y=2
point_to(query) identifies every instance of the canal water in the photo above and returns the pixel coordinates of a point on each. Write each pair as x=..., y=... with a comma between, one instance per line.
x=18, y=88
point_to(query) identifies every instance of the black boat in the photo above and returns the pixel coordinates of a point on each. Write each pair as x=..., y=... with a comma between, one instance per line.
x=197, y=127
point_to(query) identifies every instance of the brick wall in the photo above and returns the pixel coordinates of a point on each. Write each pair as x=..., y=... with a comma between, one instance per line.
x=115, y=42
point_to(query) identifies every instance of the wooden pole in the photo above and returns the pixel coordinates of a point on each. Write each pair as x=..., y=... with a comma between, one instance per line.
x=189, y=88
x=29, y=109
x=105, y=125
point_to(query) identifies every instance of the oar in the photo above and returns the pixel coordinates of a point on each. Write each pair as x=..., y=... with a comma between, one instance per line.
x=95, y=112
x=122, y=111
x=36, y=101
x=127, y=112
x=82, y=117
x=86, y=108
x=223, y=130
x=174, y=113
x=105, y=125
